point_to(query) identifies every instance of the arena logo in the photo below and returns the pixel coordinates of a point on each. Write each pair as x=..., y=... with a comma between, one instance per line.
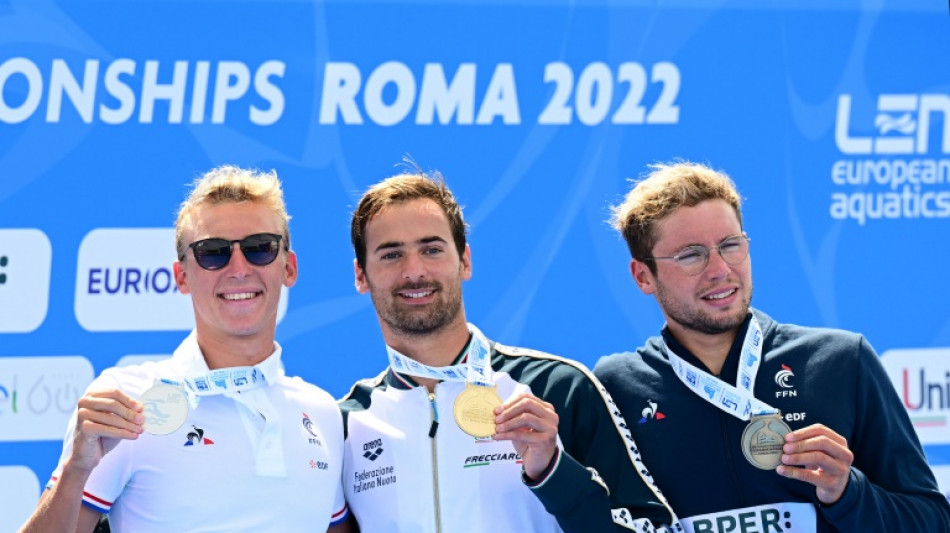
x=112, y=92
x=26, y=258
x=903, y=122
x=132, y=288
x=922, y=380
x=40, y=394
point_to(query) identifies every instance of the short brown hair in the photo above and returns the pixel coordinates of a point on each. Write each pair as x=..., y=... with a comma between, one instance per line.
x=403, y=188
x=230, y=184
x=664, y=190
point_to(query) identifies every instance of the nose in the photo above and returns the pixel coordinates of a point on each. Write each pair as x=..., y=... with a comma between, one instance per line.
x=238, y=266
x=716, y=267
x=413, y=268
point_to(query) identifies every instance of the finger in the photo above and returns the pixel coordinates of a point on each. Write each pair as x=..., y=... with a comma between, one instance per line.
x=529, y=405
x=530, y=421
x=91, y=430
x=122, y=406
x=813, y=431
x=823, y=480
x=117, y=395
x=817, y=461
x=109, y=419
x=824, y=444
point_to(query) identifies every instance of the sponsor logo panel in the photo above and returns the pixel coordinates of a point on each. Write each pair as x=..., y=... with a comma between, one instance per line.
x=26, y=258
x=901, y=172
x=922, y=380
x=38, y=395
x=19, y=493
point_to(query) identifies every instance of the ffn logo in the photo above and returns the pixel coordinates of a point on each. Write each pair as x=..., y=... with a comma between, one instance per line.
x=902, y=121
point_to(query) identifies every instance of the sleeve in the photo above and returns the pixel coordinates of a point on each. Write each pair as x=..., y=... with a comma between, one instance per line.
x=597, y=483
x=891, y=487
x=108, y=479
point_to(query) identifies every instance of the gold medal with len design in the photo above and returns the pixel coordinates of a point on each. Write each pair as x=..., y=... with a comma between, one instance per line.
x=475, y=410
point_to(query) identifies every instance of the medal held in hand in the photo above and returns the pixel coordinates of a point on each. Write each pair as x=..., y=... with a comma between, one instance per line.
x=763, y=439
x=166, y=408
x=475, y=410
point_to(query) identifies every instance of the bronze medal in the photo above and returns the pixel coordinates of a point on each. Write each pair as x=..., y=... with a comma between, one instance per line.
x=763, y=439
x=475, y=410
x=166, y=408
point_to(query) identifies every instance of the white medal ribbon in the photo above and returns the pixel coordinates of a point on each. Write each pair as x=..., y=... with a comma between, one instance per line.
x=476, y=370
x=739, y=401
x=243, y=385
x=220, y=381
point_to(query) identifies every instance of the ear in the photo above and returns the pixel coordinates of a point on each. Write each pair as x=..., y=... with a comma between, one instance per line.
x=180, y=278
x=290, y=269
x=362, y=284
x=645, y=279
x=465, y=264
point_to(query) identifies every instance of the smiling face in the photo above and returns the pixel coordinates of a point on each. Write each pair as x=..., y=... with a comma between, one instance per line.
x=713, y=302
x=239, y=301
x=413, y=271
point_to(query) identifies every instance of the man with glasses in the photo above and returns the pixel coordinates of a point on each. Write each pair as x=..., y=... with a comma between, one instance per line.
x=748, y=424
x=217, y=437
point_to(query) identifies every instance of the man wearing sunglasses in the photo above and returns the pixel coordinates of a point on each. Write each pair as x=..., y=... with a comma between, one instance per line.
x=746, y=423
x=217, y=437
x=461, y=433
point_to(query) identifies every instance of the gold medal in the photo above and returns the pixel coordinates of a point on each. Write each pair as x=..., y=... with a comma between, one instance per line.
x=763, y=439
x=475, y=410
x=166, y=408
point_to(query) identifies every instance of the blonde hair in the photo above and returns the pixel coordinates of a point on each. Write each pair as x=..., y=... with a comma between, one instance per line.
x=664, y=190
x=229, y=183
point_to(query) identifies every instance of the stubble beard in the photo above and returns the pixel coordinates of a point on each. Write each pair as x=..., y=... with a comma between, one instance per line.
x=699, y=320
x=418, y=322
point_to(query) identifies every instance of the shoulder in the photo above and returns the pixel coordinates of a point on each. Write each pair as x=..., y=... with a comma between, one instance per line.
x=296, y=386
x=360, y=394
x=817, y=342
x=525, y=365
x=646, y=358
x=133, y=379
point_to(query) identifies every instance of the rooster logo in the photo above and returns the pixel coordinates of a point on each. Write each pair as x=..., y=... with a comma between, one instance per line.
x=782, y=377
x=651, y=412
x=197, y=437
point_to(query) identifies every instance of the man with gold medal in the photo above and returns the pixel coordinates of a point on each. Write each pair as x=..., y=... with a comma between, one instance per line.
x=746, y=423
x=460, y=433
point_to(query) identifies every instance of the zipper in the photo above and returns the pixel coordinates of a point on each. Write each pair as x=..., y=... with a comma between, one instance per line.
x=435, y=461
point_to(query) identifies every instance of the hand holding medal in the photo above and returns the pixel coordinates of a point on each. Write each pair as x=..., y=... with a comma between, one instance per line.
x=103, y=414
x=825, y=461
x=531, y=425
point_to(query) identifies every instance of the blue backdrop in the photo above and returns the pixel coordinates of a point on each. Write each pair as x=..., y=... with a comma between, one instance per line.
x=833, y=121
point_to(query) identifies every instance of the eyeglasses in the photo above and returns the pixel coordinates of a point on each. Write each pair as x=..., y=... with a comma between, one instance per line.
x=213, y=254
x=693, y=259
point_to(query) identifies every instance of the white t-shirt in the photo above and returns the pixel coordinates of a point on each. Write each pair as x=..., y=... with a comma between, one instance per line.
x=226, y=468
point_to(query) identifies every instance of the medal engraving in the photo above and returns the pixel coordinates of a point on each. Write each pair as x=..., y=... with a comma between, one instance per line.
x=475, y=410
x=166, y=409
x=763, y=439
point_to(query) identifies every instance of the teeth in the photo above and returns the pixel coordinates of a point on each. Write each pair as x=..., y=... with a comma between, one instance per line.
x=417, y=294
x=721, y=295
x=240, y=296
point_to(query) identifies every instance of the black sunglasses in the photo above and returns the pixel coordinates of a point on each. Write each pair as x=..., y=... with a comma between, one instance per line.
x=259, y=249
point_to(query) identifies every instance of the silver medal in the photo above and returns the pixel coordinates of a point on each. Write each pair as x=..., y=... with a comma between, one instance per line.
x=763, y=439
x=166, y=408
